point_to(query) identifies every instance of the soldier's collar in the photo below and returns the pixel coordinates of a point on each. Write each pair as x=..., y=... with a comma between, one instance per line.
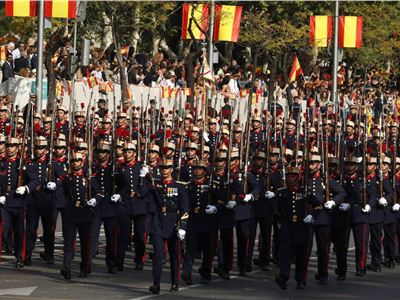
x=78, y=173
x=202, y=181
x=41, y=159
x=168, y=181
x=131, y=163
x=12, y=159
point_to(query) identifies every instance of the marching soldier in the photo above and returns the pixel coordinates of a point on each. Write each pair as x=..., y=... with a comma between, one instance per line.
x=169, y=222
x=294, y=232
x=14, y=195
x=106, y=208
x=321, y=215
x=201, y=225
x=81, y=194
x=132, y=207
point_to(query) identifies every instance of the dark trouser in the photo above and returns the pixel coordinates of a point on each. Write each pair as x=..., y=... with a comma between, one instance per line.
x=322, y=238
x=398, y=238
x=225, y=251
x=33, y=214
x=174, y=255
x=204, y=241
x=110, y=227
x=361, y=236
x=264, y=240
x=288, y=251
x=275, y=242
x=84, y=230
x=375, y=244
x=389, y=241
x=340, y=238
x=242, y=236
x=125, y=229
x=15, y=219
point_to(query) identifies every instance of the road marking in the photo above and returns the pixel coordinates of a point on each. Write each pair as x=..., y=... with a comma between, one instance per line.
x=26, y=291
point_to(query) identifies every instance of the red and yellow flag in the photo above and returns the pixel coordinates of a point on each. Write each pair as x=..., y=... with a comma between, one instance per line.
x=296, y=69
x=350, y=32
x=200, y=14
x=21, y=8
x=3, y=52
x=187, y=92
x=227, y=23
x=244, y=92
x=60, y=9
x=166, y=92
x=320, y=30
x=92, y=82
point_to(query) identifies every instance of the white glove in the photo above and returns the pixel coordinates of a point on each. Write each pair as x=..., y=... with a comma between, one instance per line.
x=205, y=137
x=51, y=186
x=382, y=201
x=395, y=207
x=21, y=190
x=269, y=194
x=231, y=204
x=144, y=171
x=3, y=200
x=115, y=198
x=181, y=234
x=248, y=197
x=329, y=204
x=366, y=209
x=309, y=219
x=91, y=202
x=344, y=206
x=211, y=209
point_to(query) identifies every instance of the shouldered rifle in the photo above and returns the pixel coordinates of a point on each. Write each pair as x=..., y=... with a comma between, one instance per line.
x=52, y=128
x=21, y=170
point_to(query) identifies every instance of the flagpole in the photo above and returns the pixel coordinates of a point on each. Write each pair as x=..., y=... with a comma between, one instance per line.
x=211, y=47
x=335, y=56
x=39, y=78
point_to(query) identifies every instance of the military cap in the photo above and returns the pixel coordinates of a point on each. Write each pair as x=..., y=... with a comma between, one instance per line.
x=60, y=143
x=291, y=121
x=41, y=141
x=2, y=138
x=105, y=146
x=237, y=128
x=260, y=154
x=80, y=113
x=63, y=108
x=386, y=160
x=76, y=156
x=315, y=158
x=37, y=115
x=221, y=156
x=82, y=145
x=129, y=146
x=372, y=160
x=154, y=148
x=195, y=129
x=206, y=149
x=171, y=146
x=350, y=124
x=351, y=159
x=12, y=140
x=106, y=120
x=192, y=145
x=47, y=119
x=275, y=150
x=200, y=164
x=212, y=121
x=288, y=152
x=122, y=115
x=256, y=118
x=166, y=163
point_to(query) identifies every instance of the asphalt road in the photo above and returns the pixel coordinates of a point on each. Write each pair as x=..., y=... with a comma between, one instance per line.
x=40, y=281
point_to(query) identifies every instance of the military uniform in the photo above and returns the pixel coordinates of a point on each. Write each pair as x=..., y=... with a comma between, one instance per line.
x=132, y=207
x=78, y=217
x=172, y=214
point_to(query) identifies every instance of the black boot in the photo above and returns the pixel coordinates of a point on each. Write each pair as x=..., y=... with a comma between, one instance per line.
x=155, y=288
x=28, y=261
x=66, y=274
x=281, y=282
x=174, y=288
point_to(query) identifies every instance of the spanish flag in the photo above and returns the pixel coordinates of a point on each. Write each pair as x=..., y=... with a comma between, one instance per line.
x=320, y=30
x=128, y=93
x=350, y=32
x=296, y=69
x=21, y=8
x=187, y=92
x=60, y=9
x=92, y=82
x=200, y=14
x=3, y=53
x=166, y=92
x=227, y=23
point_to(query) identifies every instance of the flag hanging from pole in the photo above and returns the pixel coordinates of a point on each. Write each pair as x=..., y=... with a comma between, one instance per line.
x=350, y=32
x=21, y=8
x=200, y=14
x=227, y=23
x=320, y=30
x=3, y=52
x=296, y=69
x=60, y=9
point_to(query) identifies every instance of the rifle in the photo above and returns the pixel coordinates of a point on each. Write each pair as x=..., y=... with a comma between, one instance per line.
x=267, y=182
x=21, y=168
x=181, y=142
x=114, y=143
x=380, y=159
x=326, y=168
x=52, y=128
